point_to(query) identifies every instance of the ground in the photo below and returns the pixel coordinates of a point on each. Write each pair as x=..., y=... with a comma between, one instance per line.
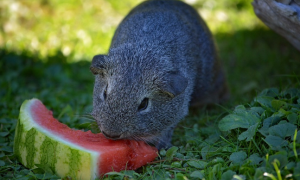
x=45, y=52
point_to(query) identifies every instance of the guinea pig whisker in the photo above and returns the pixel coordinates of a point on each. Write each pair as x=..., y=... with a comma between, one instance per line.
x=145, y=140
x=153, y=140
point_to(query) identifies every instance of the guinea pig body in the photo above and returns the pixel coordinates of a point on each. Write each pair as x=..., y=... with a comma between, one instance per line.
x=162, y=59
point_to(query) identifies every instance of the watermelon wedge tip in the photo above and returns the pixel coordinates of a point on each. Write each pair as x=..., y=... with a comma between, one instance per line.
x=41, y=139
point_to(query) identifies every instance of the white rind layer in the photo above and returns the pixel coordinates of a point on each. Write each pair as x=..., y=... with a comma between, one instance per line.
x=28, y=123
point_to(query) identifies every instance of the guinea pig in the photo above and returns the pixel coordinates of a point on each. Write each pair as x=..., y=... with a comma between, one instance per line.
x=162, y=59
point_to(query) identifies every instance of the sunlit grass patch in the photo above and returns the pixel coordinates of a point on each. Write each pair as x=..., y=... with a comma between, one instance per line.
x=81, y=29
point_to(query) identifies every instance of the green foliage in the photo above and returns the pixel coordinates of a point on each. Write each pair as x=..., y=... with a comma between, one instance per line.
x=274, y=128
x=171, y=152
x=240, y=118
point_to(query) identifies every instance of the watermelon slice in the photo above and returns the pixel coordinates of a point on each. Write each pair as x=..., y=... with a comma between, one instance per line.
x=41, y=139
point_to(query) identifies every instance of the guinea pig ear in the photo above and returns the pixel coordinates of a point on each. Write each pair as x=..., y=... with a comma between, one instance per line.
x=172, y=84
x=98, y=64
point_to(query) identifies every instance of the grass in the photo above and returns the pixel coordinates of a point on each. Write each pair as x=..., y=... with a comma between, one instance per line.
x=46, y=55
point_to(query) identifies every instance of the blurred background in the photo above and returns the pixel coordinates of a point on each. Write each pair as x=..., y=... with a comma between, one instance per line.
x=80, y=29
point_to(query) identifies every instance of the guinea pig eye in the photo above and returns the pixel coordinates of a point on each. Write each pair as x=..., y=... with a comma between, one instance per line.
x=105, y=93
x=143, y=105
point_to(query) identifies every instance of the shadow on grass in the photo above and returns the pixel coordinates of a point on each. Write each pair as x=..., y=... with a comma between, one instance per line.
x=257, y=59
x=57, y=83
x=253, y=59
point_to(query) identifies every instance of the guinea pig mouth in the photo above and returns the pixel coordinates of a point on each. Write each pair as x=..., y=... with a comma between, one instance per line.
x=112, y=136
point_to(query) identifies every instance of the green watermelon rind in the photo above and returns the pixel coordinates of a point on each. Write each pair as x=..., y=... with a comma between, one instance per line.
x=63, y=157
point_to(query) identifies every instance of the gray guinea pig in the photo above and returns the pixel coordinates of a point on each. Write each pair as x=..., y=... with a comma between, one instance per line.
x=162, y=59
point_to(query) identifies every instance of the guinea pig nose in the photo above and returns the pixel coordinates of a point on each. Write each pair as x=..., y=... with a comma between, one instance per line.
x=111, y=136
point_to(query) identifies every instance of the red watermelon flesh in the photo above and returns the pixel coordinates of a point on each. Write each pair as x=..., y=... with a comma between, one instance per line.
x=111, y=155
